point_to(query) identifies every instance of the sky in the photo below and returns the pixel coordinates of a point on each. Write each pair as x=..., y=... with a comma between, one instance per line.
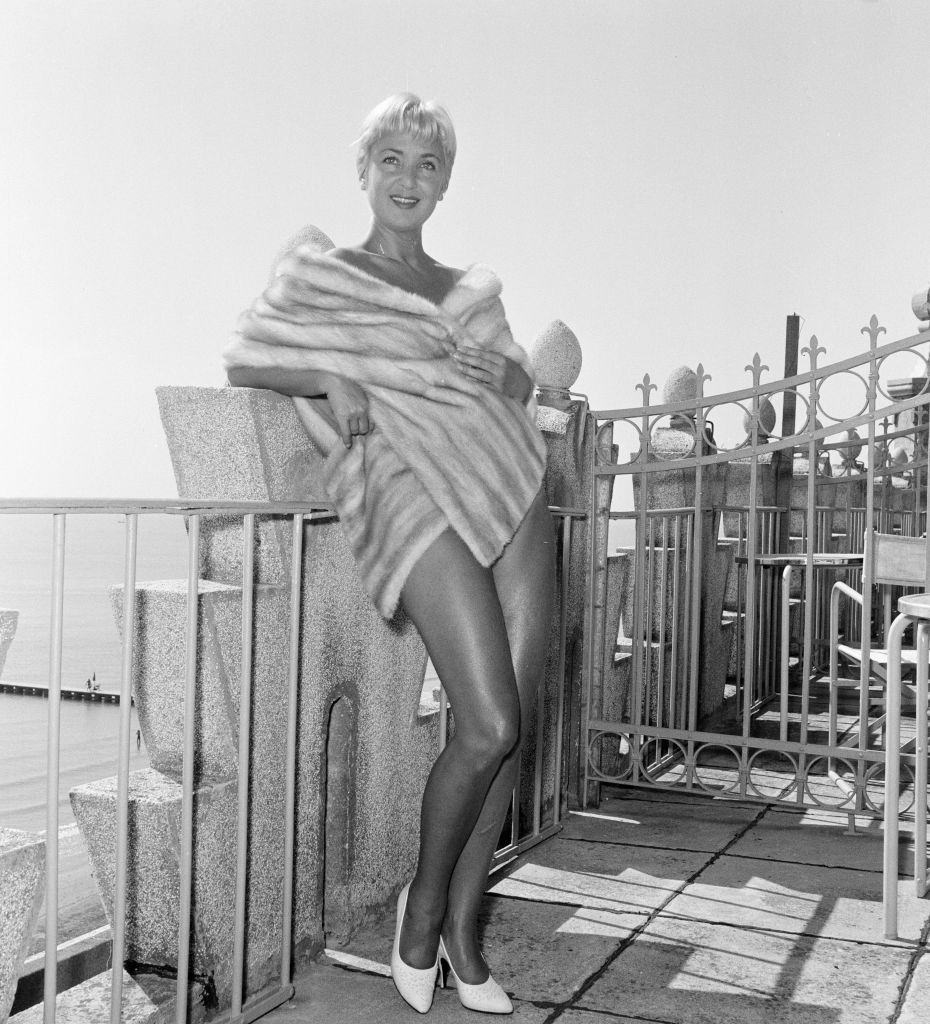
x=671, y=178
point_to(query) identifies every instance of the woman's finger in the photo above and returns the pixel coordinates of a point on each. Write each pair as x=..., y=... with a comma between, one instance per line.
x=472, y=358
x=476, y=372
x=482, y=355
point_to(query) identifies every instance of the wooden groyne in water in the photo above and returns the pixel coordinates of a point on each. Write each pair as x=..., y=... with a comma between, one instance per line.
x=68, y=693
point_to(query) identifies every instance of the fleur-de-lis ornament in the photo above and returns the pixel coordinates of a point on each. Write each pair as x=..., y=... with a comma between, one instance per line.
x=873, y=331
x=646, y=387
x=755, y=368
x=646, y=441
x=813, y=350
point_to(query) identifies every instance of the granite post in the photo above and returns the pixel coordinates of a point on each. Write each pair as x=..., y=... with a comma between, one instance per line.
x=22, y=885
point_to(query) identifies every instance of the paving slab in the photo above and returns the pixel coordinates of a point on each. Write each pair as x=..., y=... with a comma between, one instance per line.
x=694, y=825
x=818, y=837
x=916, y=1006
x=613, y=876
x=537, y=951
x=90, y=1002
x=771, y=779
x=332, y=995
x=690, y=972
x=835, y=903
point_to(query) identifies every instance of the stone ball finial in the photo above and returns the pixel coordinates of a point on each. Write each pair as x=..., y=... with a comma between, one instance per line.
x=556, y=356
x=898, y=454
x=766, y=419
x=681, y=386
x=920, y=304
x=309, y=235
x=853, y=451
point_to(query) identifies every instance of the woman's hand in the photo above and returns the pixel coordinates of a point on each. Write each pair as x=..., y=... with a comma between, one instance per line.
x=494, y=370
x=350, y=407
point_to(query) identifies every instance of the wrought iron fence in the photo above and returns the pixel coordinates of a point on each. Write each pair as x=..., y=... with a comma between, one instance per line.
x=733, y=537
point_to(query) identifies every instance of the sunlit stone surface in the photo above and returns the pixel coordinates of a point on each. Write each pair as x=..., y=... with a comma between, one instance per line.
x=89, y=1002
x=22, y=881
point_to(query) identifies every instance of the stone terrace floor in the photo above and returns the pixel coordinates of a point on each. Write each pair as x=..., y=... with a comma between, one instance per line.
x=672, y=909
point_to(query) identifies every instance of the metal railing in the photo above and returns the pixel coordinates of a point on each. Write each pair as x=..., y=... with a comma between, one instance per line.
x=778, y=504
x=533, y=825
x=194, y=512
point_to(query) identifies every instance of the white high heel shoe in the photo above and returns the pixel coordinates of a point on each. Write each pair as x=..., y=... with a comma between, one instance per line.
x=416, y=985
x=488, y=997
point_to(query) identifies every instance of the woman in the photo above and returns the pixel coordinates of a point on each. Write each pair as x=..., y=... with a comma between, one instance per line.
x=441, y=463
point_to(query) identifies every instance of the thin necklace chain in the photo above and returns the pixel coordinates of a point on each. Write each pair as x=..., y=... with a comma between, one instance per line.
x=395, y=259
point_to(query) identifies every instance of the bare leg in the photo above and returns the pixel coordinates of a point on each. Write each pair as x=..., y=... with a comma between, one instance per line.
x=453, y=602
x=524, y=579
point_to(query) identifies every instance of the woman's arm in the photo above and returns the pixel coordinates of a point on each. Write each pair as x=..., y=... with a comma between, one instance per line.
x=305, y=383
x=347, y=400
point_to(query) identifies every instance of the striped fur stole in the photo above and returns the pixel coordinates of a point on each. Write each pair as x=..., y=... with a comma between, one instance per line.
x=445, y=451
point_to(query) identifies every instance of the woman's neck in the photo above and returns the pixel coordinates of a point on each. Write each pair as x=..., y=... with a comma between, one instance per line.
x=397, y=246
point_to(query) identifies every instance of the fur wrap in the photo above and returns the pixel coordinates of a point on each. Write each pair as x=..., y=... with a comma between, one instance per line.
x=444, y=451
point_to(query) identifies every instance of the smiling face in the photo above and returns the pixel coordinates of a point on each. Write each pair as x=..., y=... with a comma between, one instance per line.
x=404, y=180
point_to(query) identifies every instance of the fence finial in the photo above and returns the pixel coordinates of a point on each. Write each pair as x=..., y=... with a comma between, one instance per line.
x=646, y=387
x=755, y=368
x=873, y=331
x=813, y=350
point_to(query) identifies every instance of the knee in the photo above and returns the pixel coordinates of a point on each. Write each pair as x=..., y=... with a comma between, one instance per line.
x=491, y=740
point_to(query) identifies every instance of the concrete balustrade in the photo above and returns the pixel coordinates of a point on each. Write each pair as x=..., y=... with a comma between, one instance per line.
x=22, y=884
x=569, y=432
x=8, y=622
x=365, y=745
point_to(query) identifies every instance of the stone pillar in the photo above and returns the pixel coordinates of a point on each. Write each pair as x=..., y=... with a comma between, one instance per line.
x=22, y=885
x=849, y=486
x=569, y=431
x=677, y=488
x=8, y=622
x=735, y=530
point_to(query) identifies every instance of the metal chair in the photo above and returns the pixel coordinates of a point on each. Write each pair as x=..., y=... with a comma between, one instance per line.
x=890, y=561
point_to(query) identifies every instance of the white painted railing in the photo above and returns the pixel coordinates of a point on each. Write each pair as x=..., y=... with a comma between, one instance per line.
x=194, y=512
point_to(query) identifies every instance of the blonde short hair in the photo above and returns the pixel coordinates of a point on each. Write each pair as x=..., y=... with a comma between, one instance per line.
x=406, y=112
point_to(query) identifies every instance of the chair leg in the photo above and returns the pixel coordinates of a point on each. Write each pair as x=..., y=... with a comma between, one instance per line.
x=892, y=778
x=920, y=769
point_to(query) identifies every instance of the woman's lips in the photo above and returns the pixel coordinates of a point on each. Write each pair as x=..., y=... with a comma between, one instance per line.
x=405, y=202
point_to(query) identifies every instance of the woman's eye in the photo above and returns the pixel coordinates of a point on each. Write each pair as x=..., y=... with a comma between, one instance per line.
x=429, y=165
x=389, y=160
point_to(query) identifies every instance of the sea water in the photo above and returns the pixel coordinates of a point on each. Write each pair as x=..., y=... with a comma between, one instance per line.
x=91, y=650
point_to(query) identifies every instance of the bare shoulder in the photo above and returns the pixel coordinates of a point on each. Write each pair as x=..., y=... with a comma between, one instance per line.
x=450, y=276
x=356, y=257
x=455, y=275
